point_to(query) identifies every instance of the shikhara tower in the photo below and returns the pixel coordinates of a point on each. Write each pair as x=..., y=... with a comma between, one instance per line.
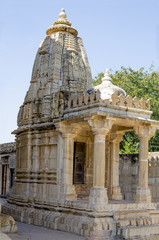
x=61, y=64
x=67, y=146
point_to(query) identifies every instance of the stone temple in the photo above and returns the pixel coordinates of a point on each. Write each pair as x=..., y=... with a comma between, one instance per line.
x=67, y=147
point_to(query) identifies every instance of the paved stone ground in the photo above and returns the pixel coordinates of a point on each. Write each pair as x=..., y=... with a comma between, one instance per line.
x=31, y=232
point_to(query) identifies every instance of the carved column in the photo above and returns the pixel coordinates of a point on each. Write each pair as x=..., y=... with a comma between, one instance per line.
x=36, y=156
x=29, y=162
x=98, y=193
x=35, y=164
x=66, y=187
x=89, y=162
x=115, y=191
x=29, y=157
x=99, y=159
x=144, y=133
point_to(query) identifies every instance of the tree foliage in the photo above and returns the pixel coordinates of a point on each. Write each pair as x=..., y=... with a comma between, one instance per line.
x=143, y=84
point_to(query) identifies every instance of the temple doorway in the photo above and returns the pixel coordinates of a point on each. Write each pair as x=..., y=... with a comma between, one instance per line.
x=78, y=163
x=4, y=178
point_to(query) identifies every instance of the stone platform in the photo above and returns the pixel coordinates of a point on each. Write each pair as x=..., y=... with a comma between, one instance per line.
x=116, y=220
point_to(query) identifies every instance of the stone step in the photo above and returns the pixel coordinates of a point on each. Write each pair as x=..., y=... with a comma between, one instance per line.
x=115, y=206
x=137, y=221
x=154, y=237
x=127, y=214
x=138, y=231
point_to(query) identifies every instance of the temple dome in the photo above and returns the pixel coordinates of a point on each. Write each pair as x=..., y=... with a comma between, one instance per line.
x=107, y=88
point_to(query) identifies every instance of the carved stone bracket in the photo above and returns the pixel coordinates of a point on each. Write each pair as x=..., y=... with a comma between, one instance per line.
x=116, y=137
x=63, y=127
x=100, y=125
x=144, y=131
x=67, y=129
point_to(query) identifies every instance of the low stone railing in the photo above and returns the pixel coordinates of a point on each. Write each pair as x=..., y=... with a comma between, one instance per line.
x=94, y=97
x=82, y=100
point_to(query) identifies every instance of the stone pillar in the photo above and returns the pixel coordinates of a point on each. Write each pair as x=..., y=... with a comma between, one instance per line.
x=108, y=165
x=89, y=163
x=115, y=191
x=28, y=163
x=99, y=159
x=98, y=193
x=17, y=154
x=67, y=188
x=35, y=162
x=144, y=133
x=29, y=157
x=59, y=163
x=65, y=181
x=36, y=157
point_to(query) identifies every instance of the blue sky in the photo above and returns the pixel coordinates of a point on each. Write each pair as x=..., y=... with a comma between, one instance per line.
x=115, y=33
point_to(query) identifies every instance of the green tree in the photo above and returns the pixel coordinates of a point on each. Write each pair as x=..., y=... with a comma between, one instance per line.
x=98, y=79
x=143, y=84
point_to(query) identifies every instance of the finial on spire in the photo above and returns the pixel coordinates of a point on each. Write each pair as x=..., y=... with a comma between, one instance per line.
x=62, y=13
x=107, y=71
x=62, y=24
x=106, y=76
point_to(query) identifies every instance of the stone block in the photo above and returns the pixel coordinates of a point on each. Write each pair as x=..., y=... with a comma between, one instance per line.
x=143, y=195
x=124, y=223
x=121, y=99
x=128, y=101
x=133, y=222
x=7, y=224
x=98, y=196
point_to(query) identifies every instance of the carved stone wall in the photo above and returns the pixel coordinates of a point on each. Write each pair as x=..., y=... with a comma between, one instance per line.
x=154, y=175
x=128, y=169
x=36, y=166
